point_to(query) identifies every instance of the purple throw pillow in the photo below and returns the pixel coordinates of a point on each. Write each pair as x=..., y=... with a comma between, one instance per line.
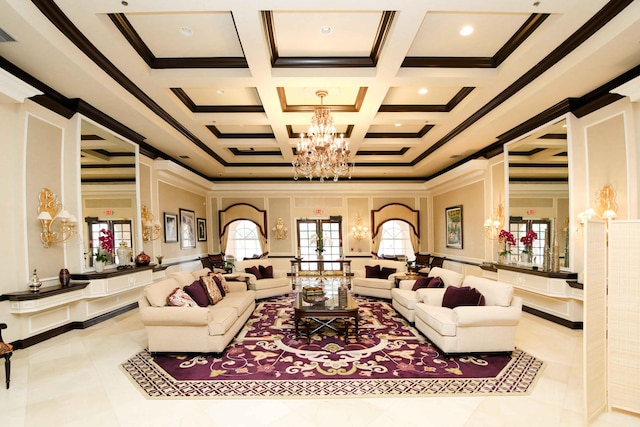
x=266, y=272
x=372, y=271
x=197, y=293
x=462, y=296
x=255, y=271
x=435, y=282
x=385, y=272
x=421, y=282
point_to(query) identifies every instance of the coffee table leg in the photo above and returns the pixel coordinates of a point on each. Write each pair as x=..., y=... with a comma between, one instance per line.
x=307, y=322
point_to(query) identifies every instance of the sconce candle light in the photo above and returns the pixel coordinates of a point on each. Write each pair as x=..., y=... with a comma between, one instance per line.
x=58, y=225
x=150, y=230
x=493, y=225
x=606, y=207
x=358, y=230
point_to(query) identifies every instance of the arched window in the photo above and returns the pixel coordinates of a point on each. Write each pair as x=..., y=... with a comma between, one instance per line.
x=395, y=240
x=243, y=240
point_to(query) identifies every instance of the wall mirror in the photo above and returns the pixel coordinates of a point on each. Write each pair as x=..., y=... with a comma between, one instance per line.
x=538, y=189
x=109, y=193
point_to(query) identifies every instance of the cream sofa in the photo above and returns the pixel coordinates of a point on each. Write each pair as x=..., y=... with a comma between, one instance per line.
x=469, y=329
x=404, y=299
x=380, y=288
x=193, y=329
x=280, y=284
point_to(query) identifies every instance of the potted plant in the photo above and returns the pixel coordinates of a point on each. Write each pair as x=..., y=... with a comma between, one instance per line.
x=507, y=239
x=526, y=257
x=105, y=252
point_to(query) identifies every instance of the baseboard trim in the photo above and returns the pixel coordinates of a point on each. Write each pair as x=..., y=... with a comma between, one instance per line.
x=555, y=319
x=28, y=342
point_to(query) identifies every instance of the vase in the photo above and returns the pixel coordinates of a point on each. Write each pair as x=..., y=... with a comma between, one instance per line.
x=123, y=254
x=143, y=259
x=504, y=258
x=526, y=258
x=99, y=266
x=65, y=277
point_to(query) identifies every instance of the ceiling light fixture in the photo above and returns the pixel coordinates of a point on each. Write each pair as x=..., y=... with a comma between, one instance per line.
x=186, y=31
x=322, y=153
x=423, y=91
x=466, y=30
x=326, y=30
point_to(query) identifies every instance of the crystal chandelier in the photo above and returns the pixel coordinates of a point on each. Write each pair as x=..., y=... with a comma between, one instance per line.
x=322, y=153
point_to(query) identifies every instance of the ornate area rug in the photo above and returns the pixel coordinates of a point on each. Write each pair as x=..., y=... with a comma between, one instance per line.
x=390, y=358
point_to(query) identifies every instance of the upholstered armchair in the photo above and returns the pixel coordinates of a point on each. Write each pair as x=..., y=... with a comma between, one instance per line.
x=377, y=278
x=263, y=278
x=6, y=351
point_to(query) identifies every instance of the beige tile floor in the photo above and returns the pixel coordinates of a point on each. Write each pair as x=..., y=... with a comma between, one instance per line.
x=75, y=380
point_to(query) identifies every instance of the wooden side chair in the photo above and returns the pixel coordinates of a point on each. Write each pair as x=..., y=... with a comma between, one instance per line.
x=437, y=261
x=6, y=351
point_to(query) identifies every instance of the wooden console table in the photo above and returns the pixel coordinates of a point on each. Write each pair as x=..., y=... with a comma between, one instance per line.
x=553, y=295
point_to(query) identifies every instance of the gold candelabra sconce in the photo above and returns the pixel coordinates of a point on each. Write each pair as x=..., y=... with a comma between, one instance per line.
x=151, y=230
x=359, y=231
x=493, y=225
x=279, y=230
x=606, y=206
x=58, y=225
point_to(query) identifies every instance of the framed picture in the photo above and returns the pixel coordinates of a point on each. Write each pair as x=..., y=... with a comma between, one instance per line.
x=187, y=229
x=170, y=227
x=454, y=226
x=202, y=230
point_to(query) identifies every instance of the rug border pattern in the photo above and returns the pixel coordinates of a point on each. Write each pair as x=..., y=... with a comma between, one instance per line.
x=517, y=378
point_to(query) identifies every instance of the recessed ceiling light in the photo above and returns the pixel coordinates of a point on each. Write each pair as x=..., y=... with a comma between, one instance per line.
x=220, y=91
x=184, y=157
x=186, y=31
x=466, y=30
x=124, y=3
x=398, y=125
x=326, y=30
x=422, y=90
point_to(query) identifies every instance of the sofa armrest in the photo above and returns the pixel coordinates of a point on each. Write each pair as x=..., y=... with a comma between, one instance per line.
x=251, y=277
x=487, y=315
x=175, y=316
x=431, y=296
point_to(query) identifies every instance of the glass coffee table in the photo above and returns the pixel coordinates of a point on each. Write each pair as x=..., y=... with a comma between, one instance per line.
x=326, y=314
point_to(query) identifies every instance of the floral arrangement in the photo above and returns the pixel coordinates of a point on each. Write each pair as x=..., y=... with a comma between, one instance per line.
x=106, y=245
x=507, y=239
x=527, y=240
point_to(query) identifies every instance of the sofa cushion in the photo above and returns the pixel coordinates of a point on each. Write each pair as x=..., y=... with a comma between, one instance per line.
x=239, y=301
x=449, y=277
x=372, y=271
x=183, y=277
x=385, y=272
x=495, y=293
x=462, y=296
x=266, y=271
x=197, y=293
x=255, y=271
x=223, y=282
x=218, y=282
x=179, y=298
x=222, y=319
x=214, y=294
x=158, y=292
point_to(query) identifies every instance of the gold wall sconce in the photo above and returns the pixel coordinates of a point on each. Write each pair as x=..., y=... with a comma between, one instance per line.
x=151, y=230
x=606, y=206
x=279, y=230
x=493, y=225
x=358, y=230
x=58, y=225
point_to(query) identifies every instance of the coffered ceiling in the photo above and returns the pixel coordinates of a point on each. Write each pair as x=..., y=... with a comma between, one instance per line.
x=226, y=87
